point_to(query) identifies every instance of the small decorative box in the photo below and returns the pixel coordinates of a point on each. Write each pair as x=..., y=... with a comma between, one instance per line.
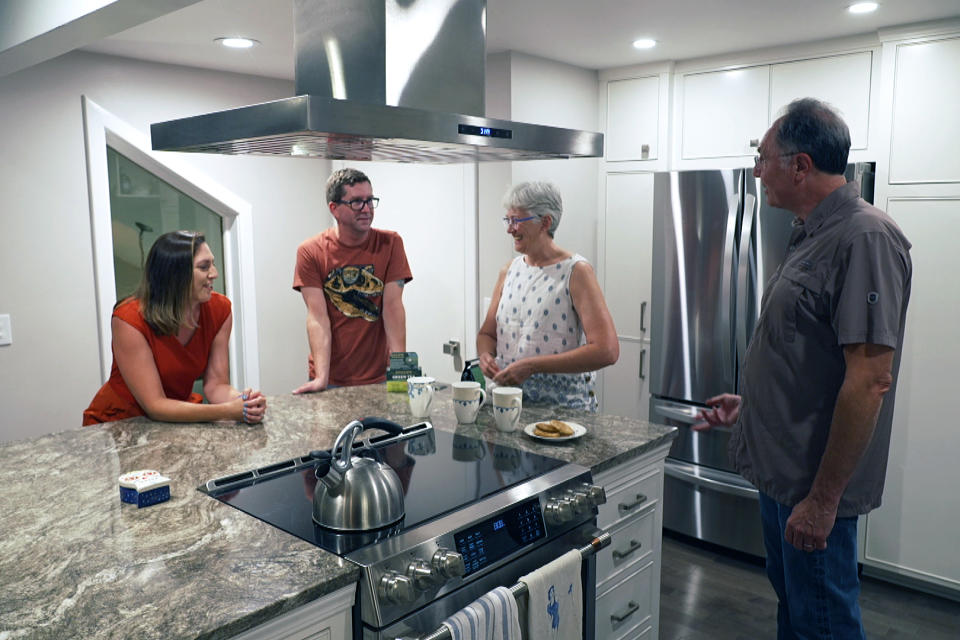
x=144, y=488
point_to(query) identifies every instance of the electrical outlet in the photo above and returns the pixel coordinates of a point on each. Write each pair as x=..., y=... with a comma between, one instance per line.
x=6, y=336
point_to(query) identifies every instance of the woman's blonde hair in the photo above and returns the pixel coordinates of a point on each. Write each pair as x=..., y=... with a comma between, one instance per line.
x=164, y=291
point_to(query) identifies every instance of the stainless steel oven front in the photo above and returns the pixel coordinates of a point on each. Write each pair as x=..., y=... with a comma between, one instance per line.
x=411, y=582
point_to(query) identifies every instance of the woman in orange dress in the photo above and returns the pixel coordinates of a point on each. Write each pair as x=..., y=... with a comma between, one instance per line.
x=173, y=330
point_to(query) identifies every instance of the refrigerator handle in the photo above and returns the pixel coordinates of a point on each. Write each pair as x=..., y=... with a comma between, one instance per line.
x=726, y=293
x=743, y=272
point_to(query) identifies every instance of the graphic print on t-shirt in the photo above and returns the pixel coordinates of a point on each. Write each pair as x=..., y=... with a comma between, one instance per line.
x=351, y=288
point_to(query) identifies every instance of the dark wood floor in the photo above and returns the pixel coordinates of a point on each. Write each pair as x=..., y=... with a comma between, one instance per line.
x=707, y=594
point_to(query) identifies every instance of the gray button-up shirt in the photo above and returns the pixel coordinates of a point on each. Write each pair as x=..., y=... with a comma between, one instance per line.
x=845, y=280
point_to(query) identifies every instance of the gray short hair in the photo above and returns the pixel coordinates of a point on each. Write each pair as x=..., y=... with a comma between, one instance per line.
x=538, y=199
x=815, y=128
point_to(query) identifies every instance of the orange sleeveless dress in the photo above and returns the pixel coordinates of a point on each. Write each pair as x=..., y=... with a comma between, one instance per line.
x=179, y=365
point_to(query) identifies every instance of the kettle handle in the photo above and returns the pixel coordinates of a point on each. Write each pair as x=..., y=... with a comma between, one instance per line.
x=344, y=443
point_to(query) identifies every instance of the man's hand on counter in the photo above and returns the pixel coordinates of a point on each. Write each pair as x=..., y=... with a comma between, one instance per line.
x=314, y=385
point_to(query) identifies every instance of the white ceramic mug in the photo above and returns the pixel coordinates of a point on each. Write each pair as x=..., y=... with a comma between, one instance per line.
x=420, y=394
x=507, y=403
x=467, y=398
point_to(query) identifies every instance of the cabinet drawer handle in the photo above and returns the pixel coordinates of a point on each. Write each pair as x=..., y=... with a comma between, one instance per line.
x=620, y=555
x=643, y=314
x=633, y=505
x=632, y=608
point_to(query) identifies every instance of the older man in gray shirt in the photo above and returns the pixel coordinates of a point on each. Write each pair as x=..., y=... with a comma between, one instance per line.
x=812, y=429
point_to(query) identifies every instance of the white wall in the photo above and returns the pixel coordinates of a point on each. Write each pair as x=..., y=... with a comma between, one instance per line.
x=550, y=93
x=51, y=371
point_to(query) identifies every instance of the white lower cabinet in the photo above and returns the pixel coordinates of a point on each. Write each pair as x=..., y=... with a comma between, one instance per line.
x=327, y=618
x=627, y=608
x=628, y=571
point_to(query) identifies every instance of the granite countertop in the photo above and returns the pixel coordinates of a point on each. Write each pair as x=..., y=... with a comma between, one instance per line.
x=76, y=562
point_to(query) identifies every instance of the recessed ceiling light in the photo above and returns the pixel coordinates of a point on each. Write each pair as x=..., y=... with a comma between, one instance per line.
x=237, y=43
x=863, y=7
x=644, y=43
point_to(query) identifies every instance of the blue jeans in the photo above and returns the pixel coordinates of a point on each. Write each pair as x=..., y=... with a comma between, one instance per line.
x=817, y=591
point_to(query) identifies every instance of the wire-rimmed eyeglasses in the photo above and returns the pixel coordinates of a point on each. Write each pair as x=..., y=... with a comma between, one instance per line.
x=513, y=222
x=760, y=159
x=358, y=204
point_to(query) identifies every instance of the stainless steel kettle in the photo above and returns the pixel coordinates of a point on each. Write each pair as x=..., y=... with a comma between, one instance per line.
x=356, y=494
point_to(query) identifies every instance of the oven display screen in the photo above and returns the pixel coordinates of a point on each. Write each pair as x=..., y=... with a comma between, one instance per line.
x=498, y=537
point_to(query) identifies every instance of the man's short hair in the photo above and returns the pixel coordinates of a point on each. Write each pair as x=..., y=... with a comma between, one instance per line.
x=537, y=199
x=813, y=127
x=342, y=178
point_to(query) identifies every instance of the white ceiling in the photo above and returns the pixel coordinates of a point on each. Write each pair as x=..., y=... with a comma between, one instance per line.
x=594, y=34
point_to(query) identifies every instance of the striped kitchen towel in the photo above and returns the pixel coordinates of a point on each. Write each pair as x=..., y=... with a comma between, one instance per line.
x=493, y=616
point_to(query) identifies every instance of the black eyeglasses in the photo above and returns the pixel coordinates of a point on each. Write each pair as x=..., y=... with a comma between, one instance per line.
x=358, y=204
x=760, y=159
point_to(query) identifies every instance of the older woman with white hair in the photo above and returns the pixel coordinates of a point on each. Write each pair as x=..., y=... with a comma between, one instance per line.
x=548, y=328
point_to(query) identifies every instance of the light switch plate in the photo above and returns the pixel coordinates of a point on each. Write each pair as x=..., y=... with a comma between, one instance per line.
x=6, y=336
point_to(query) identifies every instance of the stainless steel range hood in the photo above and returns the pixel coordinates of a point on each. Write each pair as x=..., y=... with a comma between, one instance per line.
x=394, y=80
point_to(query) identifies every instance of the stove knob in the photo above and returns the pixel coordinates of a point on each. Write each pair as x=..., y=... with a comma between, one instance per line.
x=422, y=575
x=580, y=501
x=397, y=588
x=596, y=493
x=558, y=511
x=448, y=564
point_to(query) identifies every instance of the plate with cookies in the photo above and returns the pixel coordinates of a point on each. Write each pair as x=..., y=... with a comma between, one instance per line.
x=554, y=430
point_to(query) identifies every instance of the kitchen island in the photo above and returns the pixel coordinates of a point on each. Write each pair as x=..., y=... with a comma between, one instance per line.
x=76, y=562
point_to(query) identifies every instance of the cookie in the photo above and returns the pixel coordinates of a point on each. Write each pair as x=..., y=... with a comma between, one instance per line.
x=553, y=429
x=547, y=427
x=545, y=434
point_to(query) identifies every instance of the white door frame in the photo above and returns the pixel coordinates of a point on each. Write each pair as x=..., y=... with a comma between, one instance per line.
x=102, y=128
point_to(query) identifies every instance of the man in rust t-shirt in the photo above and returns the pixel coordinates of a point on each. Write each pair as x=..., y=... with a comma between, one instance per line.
x=351, y=278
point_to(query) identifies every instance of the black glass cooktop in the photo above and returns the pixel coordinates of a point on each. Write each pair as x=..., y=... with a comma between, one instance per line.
x=439, y=471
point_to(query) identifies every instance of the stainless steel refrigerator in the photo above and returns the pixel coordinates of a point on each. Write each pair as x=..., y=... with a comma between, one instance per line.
x=716, y=243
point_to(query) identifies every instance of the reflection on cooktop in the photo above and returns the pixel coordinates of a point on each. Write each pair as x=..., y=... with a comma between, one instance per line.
x=439, y=471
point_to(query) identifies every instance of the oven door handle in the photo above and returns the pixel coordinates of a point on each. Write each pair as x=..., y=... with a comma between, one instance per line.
x=601, y=540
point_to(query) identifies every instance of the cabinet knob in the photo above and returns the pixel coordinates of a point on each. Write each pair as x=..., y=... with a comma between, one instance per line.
x=754, y=143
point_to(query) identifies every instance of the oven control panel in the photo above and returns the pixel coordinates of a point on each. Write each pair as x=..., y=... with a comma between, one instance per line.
x=482, y=539
x=499, y=536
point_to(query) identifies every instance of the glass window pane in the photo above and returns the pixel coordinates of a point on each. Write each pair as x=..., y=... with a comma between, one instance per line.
x=142, y=208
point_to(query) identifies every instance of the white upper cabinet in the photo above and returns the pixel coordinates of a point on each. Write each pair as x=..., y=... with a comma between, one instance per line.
x=723, y=111
x=926, y=124
x=842, y=81
x=633, y=107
